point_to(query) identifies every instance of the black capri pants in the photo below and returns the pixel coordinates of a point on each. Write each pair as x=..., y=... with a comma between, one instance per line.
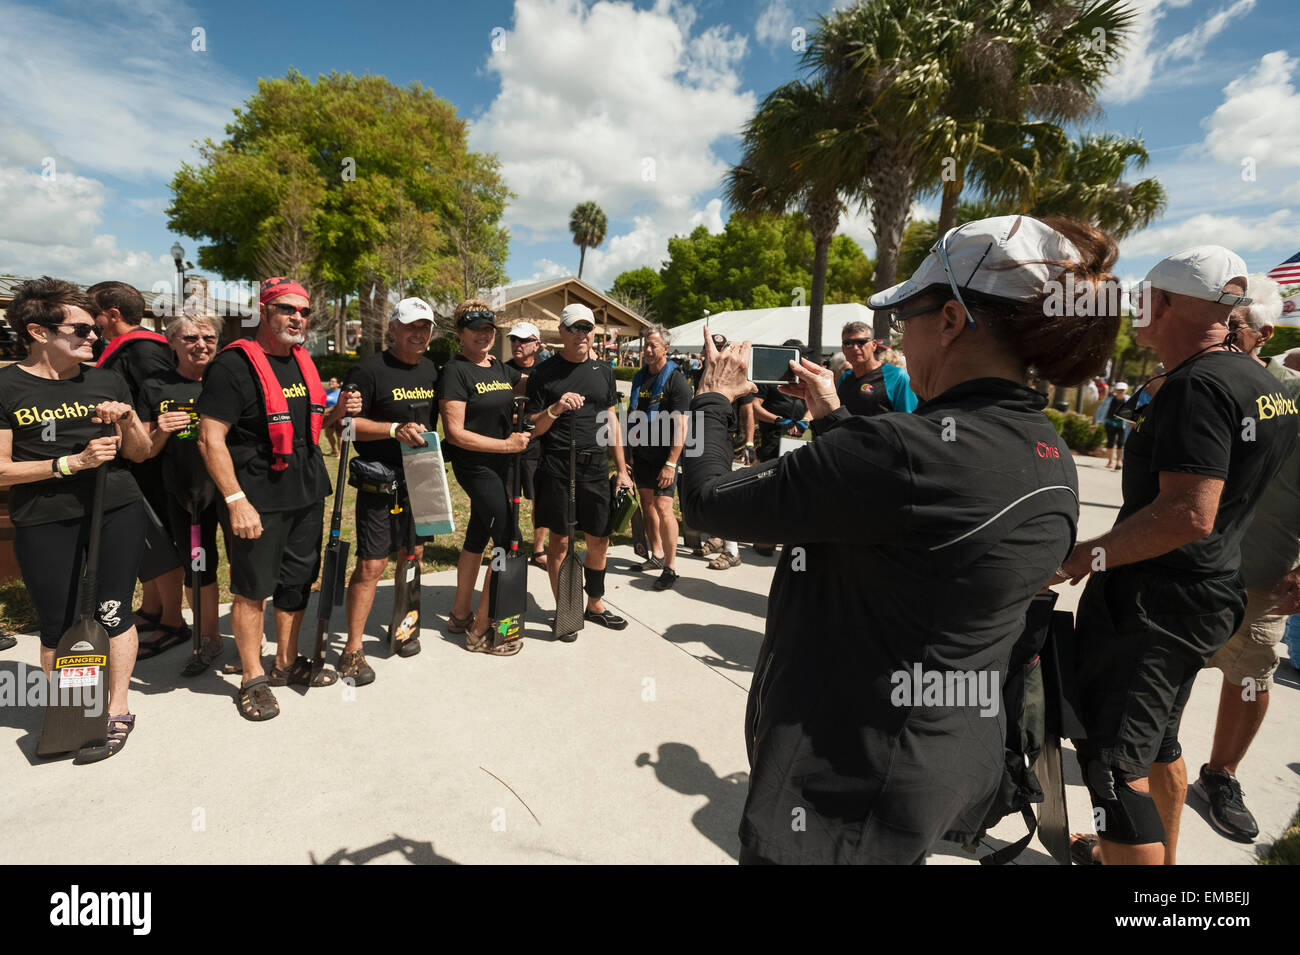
x=51, y=557
x=178, y=520
x=489, y=507
x=1115, y=435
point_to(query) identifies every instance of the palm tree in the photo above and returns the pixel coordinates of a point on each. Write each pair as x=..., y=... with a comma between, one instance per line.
x=924, y=81
x=588, y=225
x=779, y=170
x=1085, y=184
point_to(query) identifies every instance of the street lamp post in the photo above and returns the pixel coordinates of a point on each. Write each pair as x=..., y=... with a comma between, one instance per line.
x=178, y=256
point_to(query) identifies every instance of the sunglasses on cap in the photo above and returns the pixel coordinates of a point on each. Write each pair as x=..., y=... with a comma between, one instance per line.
x=80, y=329
x=474, y=317
x=305, y=310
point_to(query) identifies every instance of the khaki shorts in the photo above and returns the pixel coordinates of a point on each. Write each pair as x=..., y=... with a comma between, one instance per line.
x=1251, y=652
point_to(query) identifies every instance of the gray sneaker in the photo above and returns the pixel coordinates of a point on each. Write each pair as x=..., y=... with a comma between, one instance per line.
x=652, y=563
x=1228, y=809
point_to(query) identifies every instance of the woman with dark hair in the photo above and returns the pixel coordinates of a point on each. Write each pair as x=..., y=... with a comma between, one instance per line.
x=54, y=412
x=973, y=505
x=476, y=398
x=168, y=403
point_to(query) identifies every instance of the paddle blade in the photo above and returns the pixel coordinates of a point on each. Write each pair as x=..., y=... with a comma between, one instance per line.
x=76, y=712
x=569, y=600
x=1053, y=822
x=406, y=603
x=508, y=599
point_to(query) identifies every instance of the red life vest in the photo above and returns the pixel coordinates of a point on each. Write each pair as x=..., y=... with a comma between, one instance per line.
x=139, y=335
x=279, y=423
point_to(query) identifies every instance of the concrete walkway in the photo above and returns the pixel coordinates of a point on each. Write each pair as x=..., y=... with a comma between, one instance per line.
x=620, y=748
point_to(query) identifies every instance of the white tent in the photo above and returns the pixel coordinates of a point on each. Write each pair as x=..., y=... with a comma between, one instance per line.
x=770, y=326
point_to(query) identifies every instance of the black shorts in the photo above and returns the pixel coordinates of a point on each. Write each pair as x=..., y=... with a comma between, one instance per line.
x=1116, y=435
x=645, y=472
x=51, y=555
x=528, y=477
x=1143, y=636
x=178, y=521
x=489, y=506
x=552, y=504
x=380, y=532
x=283, y=562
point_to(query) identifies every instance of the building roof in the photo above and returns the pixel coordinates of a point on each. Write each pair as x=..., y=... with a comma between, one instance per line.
x=574, y=288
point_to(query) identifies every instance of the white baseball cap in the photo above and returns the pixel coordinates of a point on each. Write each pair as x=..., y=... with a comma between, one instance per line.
x=1201, y=272
x=524, y=330
x=410, y=310
x=575, y=313
x=1120, y=386
x=1002, y=256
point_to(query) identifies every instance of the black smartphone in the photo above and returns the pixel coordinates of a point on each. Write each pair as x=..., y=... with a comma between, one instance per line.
x=770, y=365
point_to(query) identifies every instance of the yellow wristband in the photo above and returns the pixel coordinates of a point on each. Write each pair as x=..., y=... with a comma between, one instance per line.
x=65, y=467
x=392, y=432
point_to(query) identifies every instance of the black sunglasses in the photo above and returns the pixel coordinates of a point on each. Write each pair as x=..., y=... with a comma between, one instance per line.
x=581, y=328
x=80, y=329
x=857, y=342
x=305, y=310
x=475, y=316
x=193, y=339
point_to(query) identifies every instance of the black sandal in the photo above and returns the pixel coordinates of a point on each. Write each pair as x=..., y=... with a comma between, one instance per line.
x=299, y=674
x=171, y=637
x=257, y=702
x=539, y=560
x=1081, y=850
x=202, y=660
x=117, y=736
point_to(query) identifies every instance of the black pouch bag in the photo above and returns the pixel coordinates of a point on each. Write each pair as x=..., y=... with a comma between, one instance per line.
x=374, y=474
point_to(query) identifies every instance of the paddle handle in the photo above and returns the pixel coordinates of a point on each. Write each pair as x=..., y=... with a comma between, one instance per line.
x=90, y=576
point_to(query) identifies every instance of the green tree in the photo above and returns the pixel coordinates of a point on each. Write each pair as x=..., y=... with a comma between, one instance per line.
x=638, y=289
x=587, y=223
x=757, y=261
x=368, y=177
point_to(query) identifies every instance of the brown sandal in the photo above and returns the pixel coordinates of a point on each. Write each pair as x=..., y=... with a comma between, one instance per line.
x=299, y=674
x=483, y=644
x=457, y=624
x=256, y=701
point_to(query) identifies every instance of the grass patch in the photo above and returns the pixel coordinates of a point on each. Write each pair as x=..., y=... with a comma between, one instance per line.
x=1286, y=851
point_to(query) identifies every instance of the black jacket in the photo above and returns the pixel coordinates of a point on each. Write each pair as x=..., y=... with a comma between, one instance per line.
x=910, y=538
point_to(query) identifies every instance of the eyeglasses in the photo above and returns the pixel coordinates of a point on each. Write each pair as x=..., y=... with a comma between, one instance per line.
x=291, y=309
x=898, y=319
x=194, y=339
x=582, y=328
x=940, y=249
x=858, y=342
x=80, y=329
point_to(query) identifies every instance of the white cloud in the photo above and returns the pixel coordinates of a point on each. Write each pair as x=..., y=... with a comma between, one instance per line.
x=1241, y=233
x=133, y=117
x=774, y=25
x=61, y=210
x=613, y=104
x=710, y=217
x=1256, y=118
x=1193, y=43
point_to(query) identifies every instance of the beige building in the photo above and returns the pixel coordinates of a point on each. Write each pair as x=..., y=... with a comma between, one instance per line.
x=542, y=302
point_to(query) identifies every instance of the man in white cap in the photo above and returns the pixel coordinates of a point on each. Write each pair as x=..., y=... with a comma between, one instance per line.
x=398, y=404
x=1270, y=568
x=1165, y=592
x=525, y=340
x=573, y=395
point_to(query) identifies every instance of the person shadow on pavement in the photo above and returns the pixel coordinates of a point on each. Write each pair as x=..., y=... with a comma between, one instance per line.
x=416, y=853
x=680, y=768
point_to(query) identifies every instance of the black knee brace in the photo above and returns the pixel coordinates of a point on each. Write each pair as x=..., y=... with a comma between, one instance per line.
x=1121, y=813
x=291, y=599
x=595, y=585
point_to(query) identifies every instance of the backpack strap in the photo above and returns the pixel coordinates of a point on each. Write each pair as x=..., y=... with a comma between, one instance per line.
x=1007, y=853
x=121, y=341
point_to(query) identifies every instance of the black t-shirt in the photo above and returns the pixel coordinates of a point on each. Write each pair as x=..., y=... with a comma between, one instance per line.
x=138, y=362
x=391, y=390
x=517, y=372
x=1221, y=415
x=866, y=395
x=783, y=406
x=182, y=464
x=489, y=395
x=230, y=394
x=676, y=399
x=594, y=380
x=26, y=406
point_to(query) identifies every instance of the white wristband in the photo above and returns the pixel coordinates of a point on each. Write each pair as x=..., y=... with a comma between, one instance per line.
x=238, y=495
x=392, y=431
x=553, y=417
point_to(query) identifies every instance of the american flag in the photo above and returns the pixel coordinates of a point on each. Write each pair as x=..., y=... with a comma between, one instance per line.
x=1288, y=273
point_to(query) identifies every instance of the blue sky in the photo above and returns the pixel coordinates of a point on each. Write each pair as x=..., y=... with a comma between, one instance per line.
x=109, y=98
